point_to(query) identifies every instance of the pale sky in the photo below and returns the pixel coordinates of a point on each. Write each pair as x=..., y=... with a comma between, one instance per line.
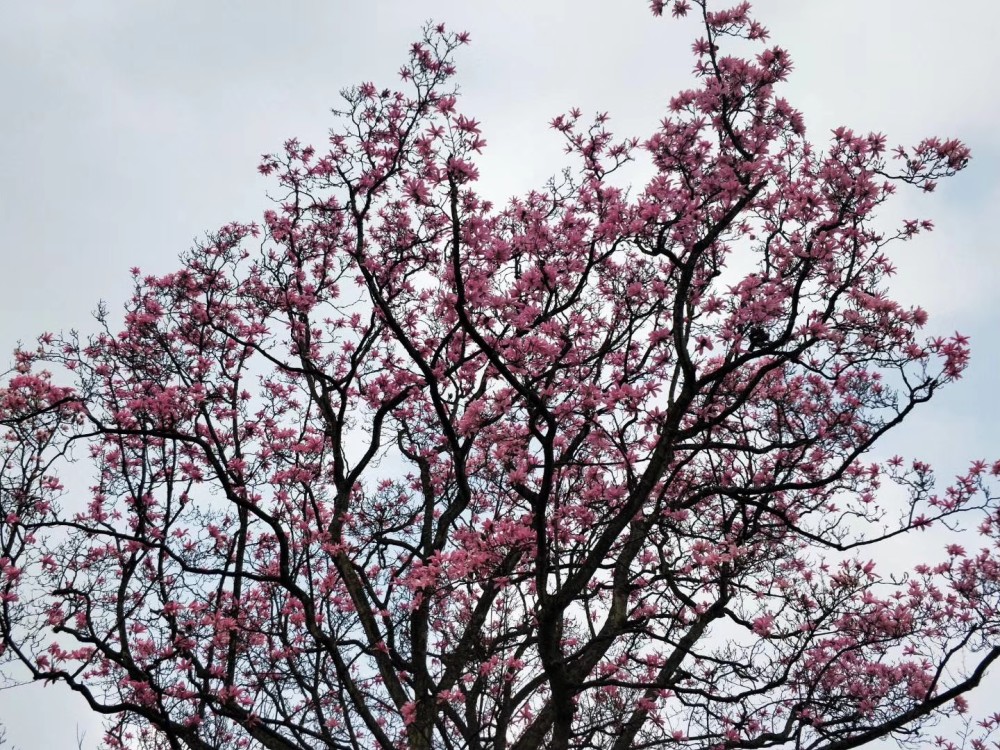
x=129, y=128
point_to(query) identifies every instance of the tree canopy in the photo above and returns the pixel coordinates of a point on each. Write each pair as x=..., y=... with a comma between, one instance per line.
x=397, y=468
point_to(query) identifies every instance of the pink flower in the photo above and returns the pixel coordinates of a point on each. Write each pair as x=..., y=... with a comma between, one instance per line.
x=462, y=171
x=763, y=625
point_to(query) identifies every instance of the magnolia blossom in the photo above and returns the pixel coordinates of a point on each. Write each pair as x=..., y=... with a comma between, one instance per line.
x=398, y=468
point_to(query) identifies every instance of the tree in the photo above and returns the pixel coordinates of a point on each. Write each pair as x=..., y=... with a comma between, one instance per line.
x=593, y=470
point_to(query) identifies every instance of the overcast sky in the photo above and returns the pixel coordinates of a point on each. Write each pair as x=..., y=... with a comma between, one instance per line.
x=129, y=128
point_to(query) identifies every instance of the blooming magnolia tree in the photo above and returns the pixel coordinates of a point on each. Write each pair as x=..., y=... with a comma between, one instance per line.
x=398, y=469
